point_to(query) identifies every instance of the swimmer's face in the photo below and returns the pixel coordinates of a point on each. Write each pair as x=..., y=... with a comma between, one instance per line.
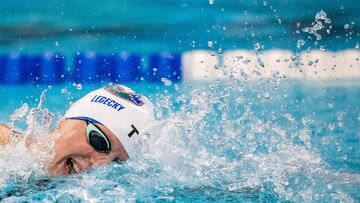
x=74, y=154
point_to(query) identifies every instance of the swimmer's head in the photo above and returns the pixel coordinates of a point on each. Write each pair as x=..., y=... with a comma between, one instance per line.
x=117, y=107
x=104, y=125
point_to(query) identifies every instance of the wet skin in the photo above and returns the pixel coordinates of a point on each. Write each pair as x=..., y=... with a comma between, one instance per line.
x=74, y=154
x=4, y=134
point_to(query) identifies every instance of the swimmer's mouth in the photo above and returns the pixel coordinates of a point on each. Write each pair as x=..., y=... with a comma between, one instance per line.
x=71, y=166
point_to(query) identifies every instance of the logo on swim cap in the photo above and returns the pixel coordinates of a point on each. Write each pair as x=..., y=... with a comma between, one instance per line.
x=125, y=93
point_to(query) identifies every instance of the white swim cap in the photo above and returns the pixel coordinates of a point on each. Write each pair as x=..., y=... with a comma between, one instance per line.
x=120, y=109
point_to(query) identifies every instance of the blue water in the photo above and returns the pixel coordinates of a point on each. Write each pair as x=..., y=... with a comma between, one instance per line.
x=144, y=26
x=216, y=142
x=224, y=141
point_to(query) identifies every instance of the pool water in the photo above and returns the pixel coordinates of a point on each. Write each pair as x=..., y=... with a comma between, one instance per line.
x=142, y=26
x=215, y=141
x=223, y=141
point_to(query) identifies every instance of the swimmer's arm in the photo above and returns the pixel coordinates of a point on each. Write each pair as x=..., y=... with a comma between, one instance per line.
x=5, y=133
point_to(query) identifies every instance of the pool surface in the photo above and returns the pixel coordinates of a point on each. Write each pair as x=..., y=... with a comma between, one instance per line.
x=142, y=26
x=215, y=142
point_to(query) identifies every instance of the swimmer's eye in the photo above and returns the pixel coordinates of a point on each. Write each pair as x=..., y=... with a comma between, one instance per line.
x=97, y=138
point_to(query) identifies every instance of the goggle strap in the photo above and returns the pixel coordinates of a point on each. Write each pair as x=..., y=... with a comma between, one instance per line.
x=87, y=119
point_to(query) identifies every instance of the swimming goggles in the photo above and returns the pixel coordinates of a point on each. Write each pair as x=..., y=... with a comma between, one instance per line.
x=95, y=136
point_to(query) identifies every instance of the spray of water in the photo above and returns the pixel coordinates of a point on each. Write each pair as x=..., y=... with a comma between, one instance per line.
x=321, y=20
x=30, y=147
x=227, y=139
x=219, y=140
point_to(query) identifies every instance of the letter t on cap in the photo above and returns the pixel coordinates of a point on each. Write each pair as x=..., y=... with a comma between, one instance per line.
x=133, y=131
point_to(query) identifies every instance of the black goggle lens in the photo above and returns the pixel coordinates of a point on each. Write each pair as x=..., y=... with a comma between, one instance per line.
x=98, y=141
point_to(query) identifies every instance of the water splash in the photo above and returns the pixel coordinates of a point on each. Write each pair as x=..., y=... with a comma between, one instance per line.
x=224, y=140
x=30, y=147
x=213, y=143
x=321, y=20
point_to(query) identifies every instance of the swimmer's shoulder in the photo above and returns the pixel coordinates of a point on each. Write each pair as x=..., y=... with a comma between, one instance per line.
x=5, y=133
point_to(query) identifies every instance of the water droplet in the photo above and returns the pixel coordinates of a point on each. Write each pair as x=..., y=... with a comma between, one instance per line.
x=318, y=37
x=210, y=44
x=260, y=62
x=318, y=26
x=300, y=43
x=357, y=46
x=78, y=86
x=322, y=48
x=257, y=46
x=306, y=29
x=346, y=26
x=63, y=91
x=56, y=43
x=211, y=2
x=331, y=126
x=321, y=15
x=166, y=81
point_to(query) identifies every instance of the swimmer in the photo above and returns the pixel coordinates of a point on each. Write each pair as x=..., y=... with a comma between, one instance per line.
x=103, y=126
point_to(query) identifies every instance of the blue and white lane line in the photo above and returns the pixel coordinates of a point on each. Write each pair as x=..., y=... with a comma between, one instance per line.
x=205, y=65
